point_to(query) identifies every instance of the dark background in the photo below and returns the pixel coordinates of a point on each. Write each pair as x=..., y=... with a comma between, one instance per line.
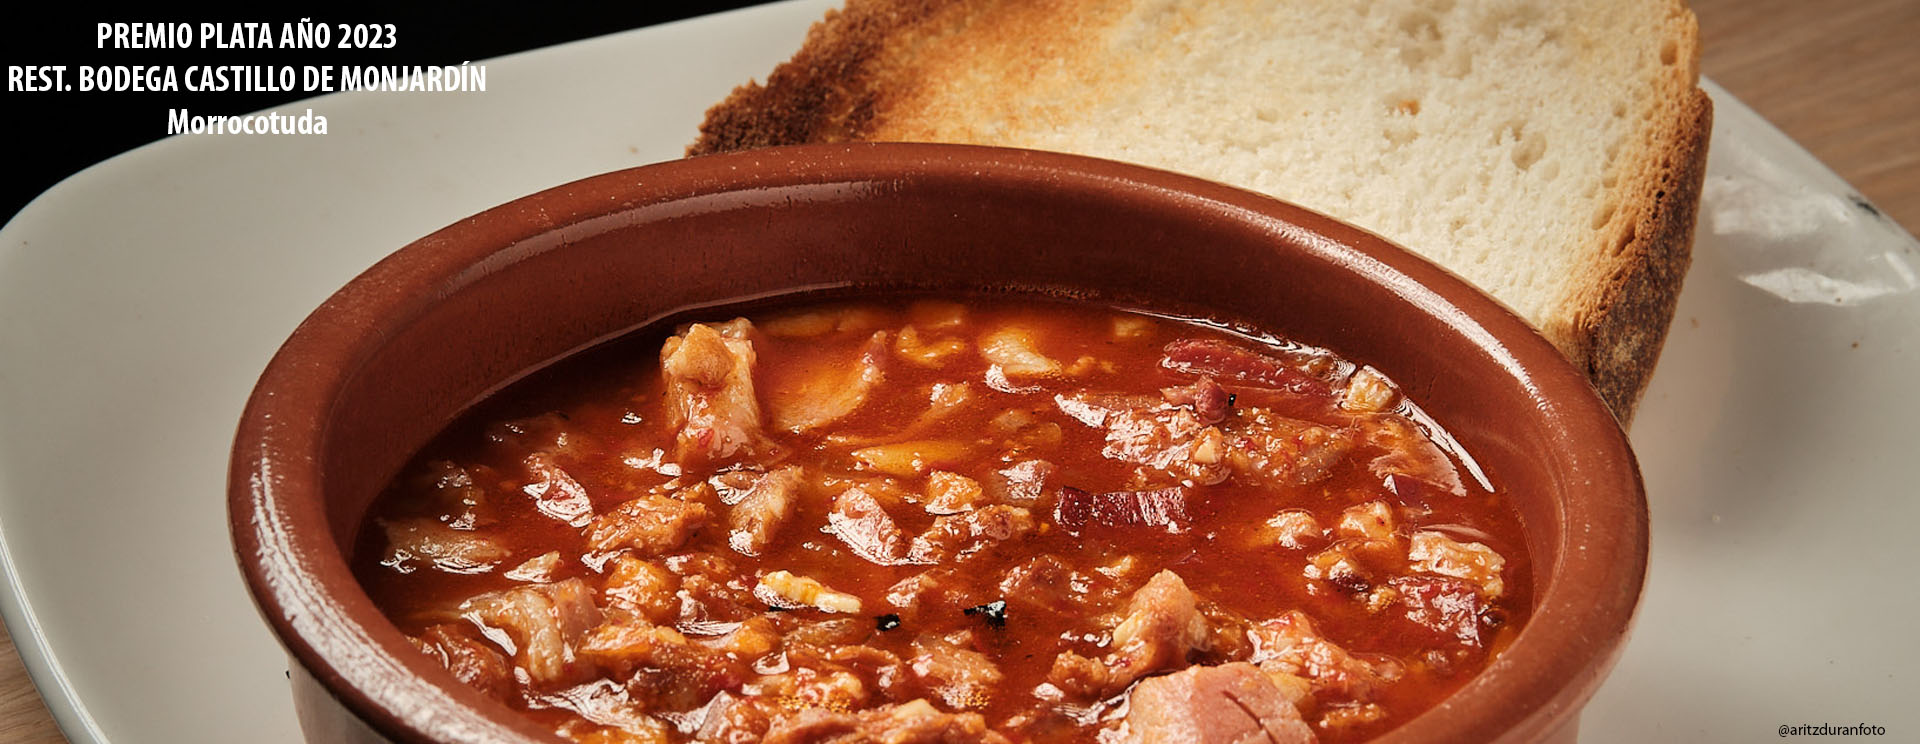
x=52, y=135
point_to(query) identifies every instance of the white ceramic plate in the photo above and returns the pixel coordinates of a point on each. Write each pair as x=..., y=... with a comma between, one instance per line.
x=140, y=298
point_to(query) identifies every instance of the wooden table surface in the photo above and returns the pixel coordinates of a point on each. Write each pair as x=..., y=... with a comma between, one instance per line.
x=1841, y=78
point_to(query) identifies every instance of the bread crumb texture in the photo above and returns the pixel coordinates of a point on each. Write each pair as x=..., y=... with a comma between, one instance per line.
x=1549, y=152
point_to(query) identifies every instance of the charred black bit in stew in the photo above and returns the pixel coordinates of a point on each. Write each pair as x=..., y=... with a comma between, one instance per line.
x=946, y=520
x=994, y=613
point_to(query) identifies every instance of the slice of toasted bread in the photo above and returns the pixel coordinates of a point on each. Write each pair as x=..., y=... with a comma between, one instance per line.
x=1550, y=152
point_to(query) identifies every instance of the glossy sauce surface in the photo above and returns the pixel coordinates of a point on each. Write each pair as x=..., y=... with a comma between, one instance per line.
x=950, y=519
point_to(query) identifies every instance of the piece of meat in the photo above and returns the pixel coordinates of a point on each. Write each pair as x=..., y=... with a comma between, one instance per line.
x=538, y=569
x=1264, y=447
x=1228, y=704
x=1160, y=509
x=1047, y=583
x=1037, y=578
x=953, y=493
x=471, y=660
x=650, y=526
x=540, y=626
x=1293, y=370
x=963, y=678
x=639, y=589
x=1409, y=453
x=763, y=511
x=866, y=528
x=1150, y=432
x=732, y=485
x=828, y=391
x=1289, y=644
x=749, y=640
x=1432, y=552
x=734, y=719
x=1021, y=483
x=1255, y=444
x=914, y=722
x=599, y=707
x=1204, y=397
x=1078, y=678
x=1355, y=563
x=731, y=719
x=713, y=591
x=1162, y=626
x=1093, y=409
x=412, y=543
x=890, y=675
x=1368, y=391
x=960, y=535
x=1292, y=528
x=1451, y=608
x=810, y=643
x=555, y=493
x=1373, y=520
x=660, y=666
x=709, y=395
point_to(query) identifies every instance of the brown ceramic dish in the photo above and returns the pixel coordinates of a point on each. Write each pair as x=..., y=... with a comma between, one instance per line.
x=391, y=358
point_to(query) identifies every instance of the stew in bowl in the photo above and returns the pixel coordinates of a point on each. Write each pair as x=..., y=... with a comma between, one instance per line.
x=929, y=443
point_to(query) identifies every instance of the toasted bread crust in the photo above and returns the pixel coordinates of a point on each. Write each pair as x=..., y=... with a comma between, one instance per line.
x=1615, y=328
x=828, y=92
x=1612, y=323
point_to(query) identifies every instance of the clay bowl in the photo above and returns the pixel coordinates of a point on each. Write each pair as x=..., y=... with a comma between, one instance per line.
x=392, y=357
